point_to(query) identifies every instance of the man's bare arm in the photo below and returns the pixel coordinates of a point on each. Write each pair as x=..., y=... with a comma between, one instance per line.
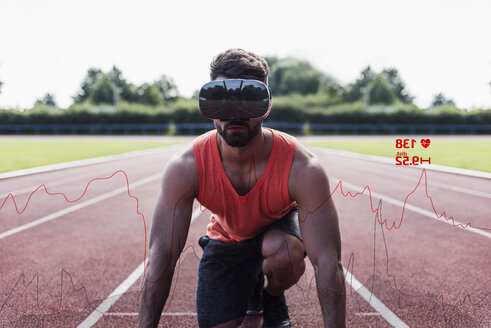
x=170, y=226
x=309, y=186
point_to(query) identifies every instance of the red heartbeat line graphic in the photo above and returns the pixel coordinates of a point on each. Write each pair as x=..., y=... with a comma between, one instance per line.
x=43, y=186
x=339, y=185
x=394, y=226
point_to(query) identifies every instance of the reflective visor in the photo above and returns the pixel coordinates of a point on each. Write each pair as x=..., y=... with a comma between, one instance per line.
x=235, y=99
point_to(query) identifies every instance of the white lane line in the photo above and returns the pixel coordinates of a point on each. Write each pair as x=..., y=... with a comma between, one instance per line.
x=170, y=314
x=459, y=189
x=373, y=301
x=78, y=206
x=112, y=298
x=367, y=313
x=433, y=183
x=121, y=313
x=102, y=309
x=179, y=313
x=415, y=209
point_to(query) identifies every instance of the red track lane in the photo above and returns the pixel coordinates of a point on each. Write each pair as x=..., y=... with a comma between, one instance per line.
x=77, y=260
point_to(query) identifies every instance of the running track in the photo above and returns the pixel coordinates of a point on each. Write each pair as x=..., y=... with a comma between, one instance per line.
x=79, y=264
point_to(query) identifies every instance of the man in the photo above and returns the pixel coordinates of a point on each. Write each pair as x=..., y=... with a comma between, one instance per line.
x=263, y=188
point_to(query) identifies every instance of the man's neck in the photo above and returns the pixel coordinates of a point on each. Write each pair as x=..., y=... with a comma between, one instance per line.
x=256, y=148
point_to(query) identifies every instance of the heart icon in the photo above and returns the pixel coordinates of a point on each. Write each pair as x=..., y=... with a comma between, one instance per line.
x=425, y=142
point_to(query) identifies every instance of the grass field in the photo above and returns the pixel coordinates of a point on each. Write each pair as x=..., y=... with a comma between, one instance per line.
x=467, y=153
x=16, y=154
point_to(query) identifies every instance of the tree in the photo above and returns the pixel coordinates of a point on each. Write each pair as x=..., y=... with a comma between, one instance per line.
x=440, y=99
x=116, y=76
x=91, y=78
x=333, y=89
x=388, y=79
x=149, y=94
x=126, y=91
x=291, y=75
x=103, y=92
x=380, y=91
x=110, y=87
x=167, y=87
x=271, y=60
x=398, y=86
x=48, y=99
x=357, y=90
x=1, y=83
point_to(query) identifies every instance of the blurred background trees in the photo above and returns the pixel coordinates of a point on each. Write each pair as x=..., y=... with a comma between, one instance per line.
x=291, y=75
x=103, y=91
x=98, y=88
x=167, y=87
x=48, y=100
x=301, y=92
x=440, y=99
x=93, y=75
x=294, y=76
x=385, y=87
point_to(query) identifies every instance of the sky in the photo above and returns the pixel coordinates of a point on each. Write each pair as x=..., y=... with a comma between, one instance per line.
x=436, y=45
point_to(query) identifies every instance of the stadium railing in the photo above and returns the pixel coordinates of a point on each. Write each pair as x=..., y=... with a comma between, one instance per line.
x=198, y=128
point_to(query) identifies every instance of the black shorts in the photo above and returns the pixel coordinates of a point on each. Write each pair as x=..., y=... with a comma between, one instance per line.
x=228, y=273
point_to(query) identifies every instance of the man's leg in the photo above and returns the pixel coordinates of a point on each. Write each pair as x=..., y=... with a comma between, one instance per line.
x=255, y=303
x=283, y=262
x=227, y=275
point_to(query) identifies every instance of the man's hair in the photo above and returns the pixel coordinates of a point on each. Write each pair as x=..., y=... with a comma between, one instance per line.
x=241, y=64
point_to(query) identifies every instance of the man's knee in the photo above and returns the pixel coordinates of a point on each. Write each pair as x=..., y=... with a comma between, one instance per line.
x=284, y=256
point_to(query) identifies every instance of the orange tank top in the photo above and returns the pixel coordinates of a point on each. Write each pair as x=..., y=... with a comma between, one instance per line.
x=236, y=218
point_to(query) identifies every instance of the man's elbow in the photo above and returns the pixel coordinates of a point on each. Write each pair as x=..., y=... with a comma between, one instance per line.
x=327, y=266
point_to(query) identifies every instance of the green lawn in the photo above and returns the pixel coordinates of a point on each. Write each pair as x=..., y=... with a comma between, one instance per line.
x=467, y=153
x=16, y=154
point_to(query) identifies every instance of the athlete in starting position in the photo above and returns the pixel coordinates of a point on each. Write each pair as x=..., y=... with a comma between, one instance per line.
x=270, y=202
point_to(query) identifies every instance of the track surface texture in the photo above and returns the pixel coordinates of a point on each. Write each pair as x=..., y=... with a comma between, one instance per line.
x=58, y=271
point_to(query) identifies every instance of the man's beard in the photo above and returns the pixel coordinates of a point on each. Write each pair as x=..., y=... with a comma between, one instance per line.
x=239, y=138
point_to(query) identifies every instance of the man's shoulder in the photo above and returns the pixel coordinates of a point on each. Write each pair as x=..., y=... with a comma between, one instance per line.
x=283, y=135
x=304, y=158
x=186, y=154
x=306, y=171
x=203, y=138
x=181, y=171
x=184, y=158
x=182, y=163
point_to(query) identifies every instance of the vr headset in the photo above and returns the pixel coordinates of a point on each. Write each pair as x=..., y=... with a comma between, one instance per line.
x=235, y=100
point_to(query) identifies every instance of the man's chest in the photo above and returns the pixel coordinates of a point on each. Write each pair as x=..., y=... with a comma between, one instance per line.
x=244, y=178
